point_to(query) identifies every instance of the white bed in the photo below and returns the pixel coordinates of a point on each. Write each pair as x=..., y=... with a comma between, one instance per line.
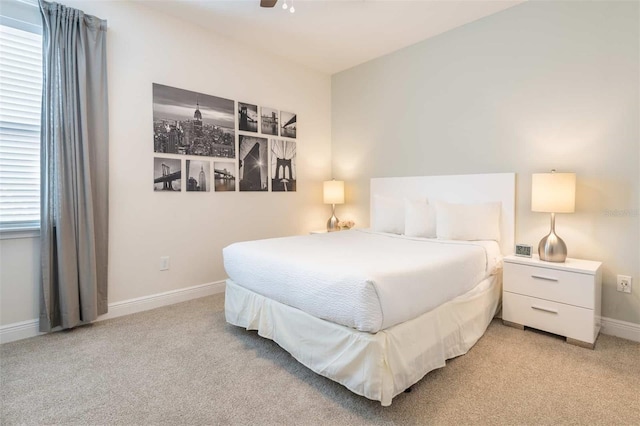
x=362, y=279
x=376, y=324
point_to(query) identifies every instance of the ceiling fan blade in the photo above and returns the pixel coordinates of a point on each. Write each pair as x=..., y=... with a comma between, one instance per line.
x=268, y=3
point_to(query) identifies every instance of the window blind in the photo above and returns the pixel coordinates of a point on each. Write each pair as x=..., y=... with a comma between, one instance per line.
x=20, y=96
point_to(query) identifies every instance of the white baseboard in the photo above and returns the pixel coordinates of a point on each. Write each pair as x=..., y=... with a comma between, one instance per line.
x=626, y=330
x=145, y=303
x=19, y=330
x=25, y=329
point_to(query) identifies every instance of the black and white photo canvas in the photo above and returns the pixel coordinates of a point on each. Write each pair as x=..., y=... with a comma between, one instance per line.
x=191, y=123
x=247, y=117
x=167, y=174
x=288, y=124
x=224, y=175
x=283, y=165
x=254, y=164
x=269, y=121
x=198, y=175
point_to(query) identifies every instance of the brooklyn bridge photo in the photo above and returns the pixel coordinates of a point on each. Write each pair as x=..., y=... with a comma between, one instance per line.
x=247, y=117
x=289, y=127
x=167, y=174
x=224, y=174
x=269, y=121
x=283, y=165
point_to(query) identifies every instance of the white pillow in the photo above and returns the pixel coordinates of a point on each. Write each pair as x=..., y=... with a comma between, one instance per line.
x=419, y=219
x=468, y=222
x=388, y=215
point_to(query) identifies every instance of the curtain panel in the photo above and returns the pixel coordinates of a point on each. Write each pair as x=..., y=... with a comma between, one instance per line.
x=74, y=168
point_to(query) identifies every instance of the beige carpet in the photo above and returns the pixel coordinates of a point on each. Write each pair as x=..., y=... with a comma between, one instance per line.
x=183, y=364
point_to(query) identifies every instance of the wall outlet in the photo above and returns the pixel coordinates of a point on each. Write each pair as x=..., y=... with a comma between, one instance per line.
x=164, y=263
x=624, y=283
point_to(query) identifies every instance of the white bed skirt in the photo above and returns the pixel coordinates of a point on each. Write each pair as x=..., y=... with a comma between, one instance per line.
x=377, y=366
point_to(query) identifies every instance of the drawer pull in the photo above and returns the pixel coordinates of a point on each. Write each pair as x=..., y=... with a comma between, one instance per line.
x=538, y=308
x=542, y=277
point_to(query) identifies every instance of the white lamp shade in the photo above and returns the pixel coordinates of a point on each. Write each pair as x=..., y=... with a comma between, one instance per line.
x=553, y=192
x=334, y=192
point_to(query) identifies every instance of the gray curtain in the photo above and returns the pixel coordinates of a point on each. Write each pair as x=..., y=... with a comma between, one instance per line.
x=74, y=168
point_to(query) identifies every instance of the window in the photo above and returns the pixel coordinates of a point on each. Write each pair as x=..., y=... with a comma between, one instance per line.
x=20, y=96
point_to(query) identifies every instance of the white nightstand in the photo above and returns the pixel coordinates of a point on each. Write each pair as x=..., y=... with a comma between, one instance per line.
x=561, y=298
x=324, y=231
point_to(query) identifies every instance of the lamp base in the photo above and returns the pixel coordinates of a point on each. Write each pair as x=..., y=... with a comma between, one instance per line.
x=552, y=248
x=332, y=223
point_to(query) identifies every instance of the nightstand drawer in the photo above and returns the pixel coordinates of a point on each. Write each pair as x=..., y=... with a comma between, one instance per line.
x=572, y=288
x=558, y=318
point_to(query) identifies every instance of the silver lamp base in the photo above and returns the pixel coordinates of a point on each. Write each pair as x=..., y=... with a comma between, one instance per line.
x=332, y=223
x=552, y=248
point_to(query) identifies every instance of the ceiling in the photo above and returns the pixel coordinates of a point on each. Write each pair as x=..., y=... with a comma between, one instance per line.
x=330, y=35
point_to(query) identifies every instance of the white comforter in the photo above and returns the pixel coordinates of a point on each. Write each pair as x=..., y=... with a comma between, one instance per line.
x=361, y=279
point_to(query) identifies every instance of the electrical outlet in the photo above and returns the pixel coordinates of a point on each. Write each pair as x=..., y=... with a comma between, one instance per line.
x=164, y=263
x=624, y=283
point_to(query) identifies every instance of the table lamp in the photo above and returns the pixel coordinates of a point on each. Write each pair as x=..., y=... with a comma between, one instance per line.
x=333, y=194
x=553, y=193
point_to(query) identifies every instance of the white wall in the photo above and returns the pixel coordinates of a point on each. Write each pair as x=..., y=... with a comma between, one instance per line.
x=145, y=46
x=541, y=85
x=19, y=275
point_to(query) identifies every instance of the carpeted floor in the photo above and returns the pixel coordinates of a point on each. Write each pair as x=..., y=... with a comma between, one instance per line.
x=183, y=364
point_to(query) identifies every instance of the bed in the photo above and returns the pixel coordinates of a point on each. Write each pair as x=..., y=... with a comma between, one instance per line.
x=376, y=310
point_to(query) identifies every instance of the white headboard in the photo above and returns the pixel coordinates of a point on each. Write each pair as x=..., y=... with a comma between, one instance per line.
x=458, y=189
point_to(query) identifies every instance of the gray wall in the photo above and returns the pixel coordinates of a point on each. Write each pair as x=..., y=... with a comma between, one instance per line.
x=541, y=85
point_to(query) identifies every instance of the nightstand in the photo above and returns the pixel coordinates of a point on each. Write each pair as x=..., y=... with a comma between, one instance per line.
x=561, y=298
x=324, y=231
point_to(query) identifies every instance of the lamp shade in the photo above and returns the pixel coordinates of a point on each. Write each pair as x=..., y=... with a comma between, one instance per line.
x=553, y=192
x=334, y=192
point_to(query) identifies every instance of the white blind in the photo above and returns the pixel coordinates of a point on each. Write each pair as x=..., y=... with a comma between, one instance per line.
x=20, y=94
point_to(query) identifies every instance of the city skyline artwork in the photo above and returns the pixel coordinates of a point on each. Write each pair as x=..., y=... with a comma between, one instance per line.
x=192, y=123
